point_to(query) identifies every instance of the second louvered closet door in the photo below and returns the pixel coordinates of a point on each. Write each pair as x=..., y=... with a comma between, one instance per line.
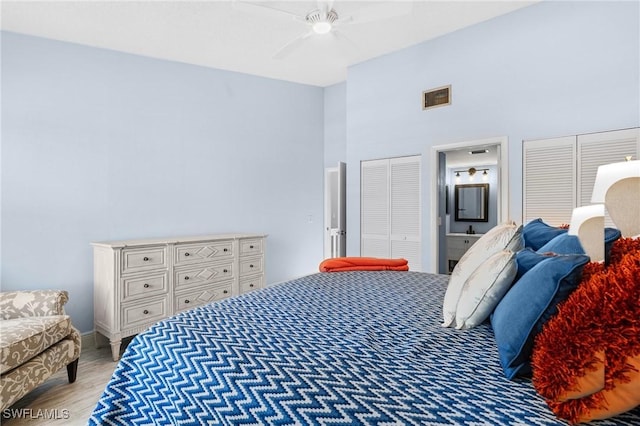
x=558, y=174
x=597, y=149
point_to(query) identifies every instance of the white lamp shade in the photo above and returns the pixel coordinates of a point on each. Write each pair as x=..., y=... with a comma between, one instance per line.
x=618, y=187
x=582, y=214
x=611, y=173
x=587, y=223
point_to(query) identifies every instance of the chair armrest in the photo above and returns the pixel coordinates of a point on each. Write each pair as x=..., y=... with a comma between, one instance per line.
x=35, y=303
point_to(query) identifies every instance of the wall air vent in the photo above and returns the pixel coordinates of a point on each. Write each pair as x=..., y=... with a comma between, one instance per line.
x=478, y=151
x=437, y=97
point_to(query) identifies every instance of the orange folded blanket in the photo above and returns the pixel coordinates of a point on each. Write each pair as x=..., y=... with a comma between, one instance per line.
x=341, y=264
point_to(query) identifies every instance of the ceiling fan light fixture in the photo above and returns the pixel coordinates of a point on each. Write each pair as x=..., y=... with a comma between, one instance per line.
x=321, y=23
x=321, y=27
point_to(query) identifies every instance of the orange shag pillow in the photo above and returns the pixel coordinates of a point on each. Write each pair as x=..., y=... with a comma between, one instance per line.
x=586, y=360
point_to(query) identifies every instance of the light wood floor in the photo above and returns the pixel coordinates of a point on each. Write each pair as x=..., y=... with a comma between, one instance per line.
x=57, y=396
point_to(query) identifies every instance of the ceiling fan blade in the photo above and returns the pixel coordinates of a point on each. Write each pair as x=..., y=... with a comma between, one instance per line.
x=263, y=9
x=291, y=46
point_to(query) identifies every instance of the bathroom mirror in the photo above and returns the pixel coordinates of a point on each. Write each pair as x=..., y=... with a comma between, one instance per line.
x=472, y=202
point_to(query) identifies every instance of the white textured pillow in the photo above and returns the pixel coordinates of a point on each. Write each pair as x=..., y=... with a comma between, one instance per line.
x=485, y=288
x=507, y=236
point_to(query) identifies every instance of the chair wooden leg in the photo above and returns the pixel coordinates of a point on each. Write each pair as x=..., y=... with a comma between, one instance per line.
x=72, y=370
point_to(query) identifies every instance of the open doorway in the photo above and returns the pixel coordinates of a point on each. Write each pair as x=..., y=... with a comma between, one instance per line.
x=335, y=211
x=466, y=168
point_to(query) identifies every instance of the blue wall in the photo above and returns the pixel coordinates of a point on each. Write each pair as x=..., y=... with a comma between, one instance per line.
x=552, y=69
x=100, y=145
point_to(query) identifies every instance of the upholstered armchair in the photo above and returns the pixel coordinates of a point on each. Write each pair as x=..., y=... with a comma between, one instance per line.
x=36, y=340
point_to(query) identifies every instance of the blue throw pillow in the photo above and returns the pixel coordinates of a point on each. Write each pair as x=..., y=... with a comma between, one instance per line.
x=537, y=233
x=529, y=304
x=570, y=244
x=525, y=260
x=563, y=244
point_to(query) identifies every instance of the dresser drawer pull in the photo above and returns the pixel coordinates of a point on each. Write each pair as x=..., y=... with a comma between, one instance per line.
x=146, y=259
x=187, y=254
x=226, y=291
x=146, y=285
x=251, y=285
x=225, y=249
x=186, y=278
x=251, y=266
x=225, y=270
x=146, y=312
x=250, y=247
x=186, y=301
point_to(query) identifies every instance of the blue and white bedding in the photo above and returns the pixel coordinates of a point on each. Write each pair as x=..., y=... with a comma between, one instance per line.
x=332, y=348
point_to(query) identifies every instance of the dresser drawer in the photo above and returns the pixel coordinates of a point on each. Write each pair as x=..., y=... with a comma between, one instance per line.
x=250, y=247
x=144, y=312
x=186, y=254
x=197, y=297
x=248, y=284
x=144, y=286
x=143, y=259
x=251, y=265
x=203, y=274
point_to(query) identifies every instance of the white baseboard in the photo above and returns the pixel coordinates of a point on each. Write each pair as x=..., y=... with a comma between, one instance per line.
x=88, y=340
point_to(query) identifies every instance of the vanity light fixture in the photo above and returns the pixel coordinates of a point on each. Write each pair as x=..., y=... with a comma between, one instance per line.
x=472, y=171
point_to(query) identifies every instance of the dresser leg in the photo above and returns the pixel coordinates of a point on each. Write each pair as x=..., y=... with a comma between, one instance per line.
x=115, y=349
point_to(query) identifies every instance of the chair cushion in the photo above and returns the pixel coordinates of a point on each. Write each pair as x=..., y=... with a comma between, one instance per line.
x=23, y=338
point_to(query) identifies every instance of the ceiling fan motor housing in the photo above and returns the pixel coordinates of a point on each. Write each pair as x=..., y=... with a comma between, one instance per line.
x=317, y=16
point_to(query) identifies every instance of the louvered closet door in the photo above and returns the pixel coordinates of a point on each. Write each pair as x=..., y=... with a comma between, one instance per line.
x=549, y=180
x=390, y=209
x=405, y=204
x=597, y=149
x=374, y=209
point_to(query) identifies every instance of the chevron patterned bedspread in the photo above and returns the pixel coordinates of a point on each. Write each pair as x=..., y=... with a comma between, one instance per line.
x=328, y=349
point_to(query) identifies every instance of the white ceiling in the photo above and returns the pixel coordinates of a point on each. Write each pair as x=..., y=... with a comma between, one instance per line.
x=216, y=34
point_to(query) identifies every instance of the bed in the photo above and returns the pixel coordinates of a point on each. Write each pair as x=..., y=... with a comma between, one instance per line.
x=329, y=348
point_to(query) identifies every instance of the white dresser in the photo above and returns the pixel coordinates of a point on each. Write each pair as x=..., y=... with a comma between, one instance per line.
x=139, y=282
x=457, y=246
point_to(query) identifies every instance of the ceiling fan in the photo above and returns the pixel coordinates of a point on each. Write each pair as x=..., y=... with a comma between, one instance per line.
x=323, y=19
